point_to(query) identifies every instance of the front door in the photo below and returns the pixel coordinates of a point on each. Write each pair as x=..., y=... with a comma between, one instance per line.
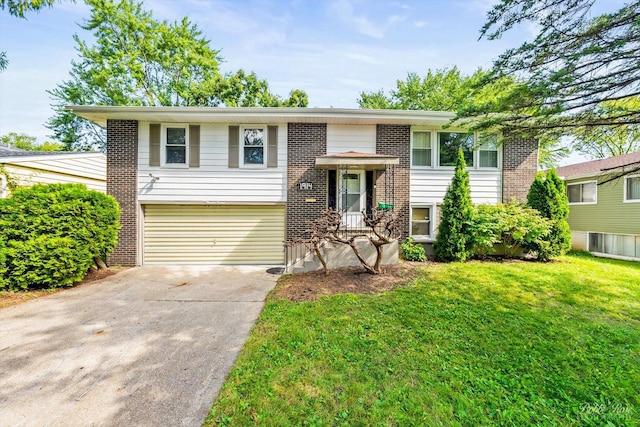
x=352, y=187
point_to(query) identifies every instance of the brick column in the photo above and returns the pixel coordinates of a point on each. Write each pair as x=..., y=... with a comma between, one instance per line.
x=305, y=142
x=519, y=166
x=122, y=174
x=395, y=140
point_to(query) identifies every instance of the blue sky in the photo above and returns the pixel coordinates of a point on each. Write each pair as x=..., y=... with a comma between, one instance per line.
x=332, y=49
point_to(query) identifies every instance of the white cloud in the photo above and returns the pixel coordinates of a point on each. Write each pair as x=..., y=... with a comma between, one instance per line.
x=420, y=24
x=345, y=11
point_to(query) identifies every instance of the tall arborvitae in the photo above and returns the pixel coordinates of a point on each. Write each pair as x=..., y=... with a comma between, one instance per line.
x=454, y=242
x=548, y=196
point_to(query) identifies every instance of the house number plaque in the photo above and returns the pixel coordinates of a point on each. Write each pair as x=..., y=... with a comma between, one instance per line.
x=306, y=186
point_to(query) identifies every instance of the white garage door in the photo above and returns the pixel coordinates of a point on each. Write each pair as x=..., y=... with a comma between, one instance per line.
x=239, y=234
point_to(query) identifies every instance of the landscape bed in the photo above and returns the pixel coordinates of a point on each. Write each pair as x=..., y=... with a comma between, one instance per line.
x=479, y=343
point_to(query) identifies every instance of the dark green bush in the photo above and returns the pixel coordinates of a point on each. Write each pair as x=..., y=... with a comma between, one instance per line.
x=46, y=262
x=34, y=217
x=413, y=251
x=454, y=242
x=3, y=265
x=548, y=196
x=514, y=227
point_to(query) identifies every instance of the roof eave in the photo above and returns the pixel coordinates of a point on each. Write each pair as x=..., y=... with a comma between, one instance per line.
x=100, y=115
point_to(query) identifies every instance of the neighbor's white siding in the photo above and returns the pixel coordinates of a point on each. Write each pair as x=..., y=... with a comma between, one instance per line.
x=213, y=181
x=88, y=170
x=343, y=138
x=430, y=186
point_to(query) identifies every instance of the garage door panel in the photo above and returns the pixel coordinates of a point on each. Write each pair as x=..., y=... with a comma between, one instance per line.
x=213, y=234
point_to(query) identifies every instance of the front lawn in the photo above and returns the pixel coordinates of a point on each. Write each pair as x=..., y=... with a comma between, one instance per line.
x=514, y=343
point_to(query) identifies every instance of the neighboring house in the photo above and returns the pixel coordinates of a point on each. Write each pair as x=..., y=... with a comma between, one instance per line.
x=232, y=185
x=604, y=205
x=24, y=168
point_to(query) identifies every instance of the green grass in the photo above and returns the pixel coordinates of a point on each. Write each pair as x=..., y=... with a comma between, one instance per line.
x=466, y=344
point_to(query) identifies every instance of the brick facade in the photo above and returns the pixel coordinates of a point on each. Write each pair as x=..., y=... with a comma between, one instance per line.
x=305, y=142
x=395, y=140
x=519, y=166
x=122, y=174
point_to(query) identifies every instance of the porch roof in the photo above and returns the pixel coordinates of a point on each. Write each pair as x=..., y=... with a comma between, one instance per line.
x=355, y=160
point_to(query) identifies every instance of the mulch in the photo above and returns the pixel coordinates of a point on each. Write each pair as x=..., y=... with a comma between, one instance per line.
x=354, y=280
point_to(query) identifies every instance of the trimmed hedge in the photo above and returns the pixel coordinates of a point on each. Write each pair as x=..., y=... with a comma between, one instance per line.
x=51, y=234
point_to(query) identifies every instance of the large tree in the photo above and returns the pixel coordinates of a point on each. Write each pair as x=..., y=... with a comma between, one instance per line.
x=28, y=142
x=599, y=142
x=445, y=89
x=576, y=63
x=138, y=60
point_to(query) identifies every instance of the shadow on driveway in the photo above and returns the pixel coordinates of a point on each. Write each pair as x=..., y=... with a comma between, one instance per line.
x=148, y=346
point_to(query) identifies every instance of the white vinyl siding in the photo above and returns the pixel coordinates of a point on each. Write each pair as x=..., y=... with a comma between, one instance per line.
x=87, y=170
x=343, y=138
x=213, y=181
x=223, y=235
x=428, y=186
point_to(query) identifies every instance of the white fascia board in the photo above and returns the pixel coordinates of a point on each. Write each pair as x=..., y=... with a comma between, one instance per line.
x=100, y=115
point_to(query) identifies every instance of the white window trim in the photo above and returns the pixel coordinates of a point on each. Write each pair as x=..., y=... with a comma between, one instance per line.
x=265, y=147
x=163, y=145
x=595, y=202
x=624, y=194
x=432, y=209
x=605, y=254
x=499, y=156
x=3, y=187
x=435, y=151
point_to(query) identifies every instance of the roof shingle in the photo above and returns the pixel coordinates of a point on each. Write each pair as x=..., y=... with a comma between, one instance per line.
x=600, y=165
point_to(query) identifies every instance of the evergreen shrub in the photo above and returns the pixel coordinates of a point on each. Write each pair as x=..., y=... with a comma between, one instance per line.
x=50, y=234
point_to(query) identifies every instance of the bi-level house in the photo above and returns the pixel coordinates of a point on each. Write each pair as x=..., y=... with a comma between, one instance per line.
x=233, y=185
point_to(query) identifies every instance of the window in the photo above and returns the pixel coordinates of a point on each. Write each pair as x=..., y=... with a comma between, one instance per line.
x=488, y=152
x=450, y=142
x=176, y=145
x=421, y=152
x=632, y=188
x=421, y=222
x=622, y=245
x=252, y=144
x=584, y=192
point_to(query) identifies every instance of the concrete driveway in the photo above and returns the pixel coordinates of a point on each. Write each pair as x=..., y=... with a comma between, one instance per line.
x=150, y=346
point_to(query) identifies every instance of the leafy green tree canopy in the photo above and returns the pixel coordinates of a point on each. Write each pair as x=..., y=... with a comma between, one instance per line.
x=20, y=7
x=138, y=60
x=599, y=142
x=445, y=89
x=29, y=143
x=577, y=62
